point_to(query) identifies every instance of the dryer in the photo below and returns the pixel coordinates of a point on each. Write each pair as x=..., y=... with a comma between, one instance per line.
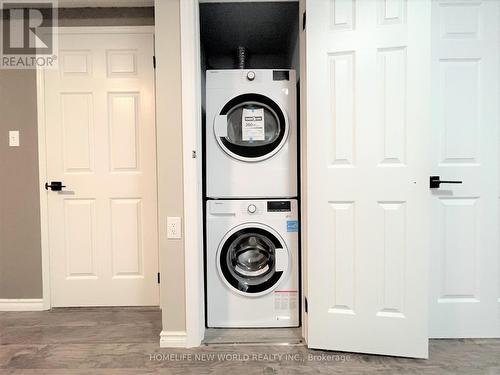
x=251, y=133
x=252, y=263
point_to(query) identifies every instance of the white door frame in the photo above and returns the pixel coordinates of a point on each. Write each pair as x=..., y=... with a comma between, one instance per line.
x=42, y=146
x=192, y=171
x=192, y=167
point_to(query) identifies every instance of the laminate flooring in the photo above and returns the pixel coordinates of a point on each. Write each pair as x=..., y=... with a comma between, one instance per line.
x=126, y=341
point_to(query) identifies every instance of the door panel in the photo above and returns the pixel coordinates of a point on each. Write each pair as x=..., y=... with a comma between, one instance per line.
x=465, y=120
x=123, y=130
x=367, y=175
x=80, y=229
x=100, y=136
x=78, y=135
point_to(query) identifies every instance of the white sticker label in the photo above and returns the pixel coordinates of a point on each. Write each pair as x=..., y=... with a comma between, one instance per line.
x=252, y=125
x=285, y=300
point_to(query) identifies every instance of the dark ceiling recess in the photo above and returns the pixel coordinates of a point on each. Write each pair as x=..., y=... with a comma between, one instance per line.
x=261, y=27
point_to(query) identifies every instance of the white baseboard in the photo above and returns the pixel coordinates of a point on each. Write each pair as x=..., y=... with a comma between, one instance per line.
x=26, y=304
x=173, y=339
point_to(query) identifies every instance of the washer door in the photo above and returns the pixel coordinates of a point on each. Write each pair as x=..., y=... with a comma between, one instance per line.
x=228, y=128
x=252, y=260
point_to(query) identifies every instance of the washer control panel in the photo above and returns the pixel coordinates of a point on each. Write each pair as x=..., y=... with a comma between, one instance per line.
x=255, y=208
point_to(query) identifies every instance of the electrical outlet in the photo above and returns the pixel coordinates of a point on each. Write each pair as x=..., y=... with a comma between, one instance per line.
x=174, y=228
x=14, y=138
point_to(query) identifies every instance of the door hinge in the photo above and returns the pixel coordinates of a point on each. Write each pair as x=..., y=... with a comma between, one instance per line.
x=304, y=21
x=305, y=304
x=158, y=277
x=154, y=62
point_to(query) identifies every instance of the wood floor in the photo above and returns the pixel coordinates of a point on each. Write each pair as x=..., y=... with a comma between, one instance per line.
x=125, y=341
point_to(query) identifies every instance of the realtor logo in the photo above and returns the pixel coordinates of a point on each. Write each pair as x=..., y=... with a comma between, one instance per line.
x=28, y=40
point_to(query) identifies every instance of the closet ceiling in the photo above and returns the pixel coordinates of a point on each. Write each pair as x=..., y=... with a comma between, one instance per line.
x=261, y=27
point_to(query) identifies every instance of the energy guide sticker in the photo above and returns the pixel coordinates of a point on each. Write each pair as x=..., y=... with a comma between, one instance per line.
x=252, y=123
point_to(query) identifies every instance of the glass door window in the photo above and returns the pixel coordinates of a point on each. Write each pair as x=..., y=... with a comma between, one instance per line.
x=247, y=260
x=272, y=129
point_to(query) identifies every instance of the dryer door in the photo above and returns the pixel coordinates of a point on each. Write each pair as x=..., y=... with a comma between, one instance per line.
x=251, y=127
x=252, y=260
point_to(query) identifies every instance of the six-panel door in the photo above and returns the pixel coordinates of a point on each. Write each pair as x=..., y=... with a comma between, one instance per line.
x=465, y=140
x=367, y=175
x=100, y=138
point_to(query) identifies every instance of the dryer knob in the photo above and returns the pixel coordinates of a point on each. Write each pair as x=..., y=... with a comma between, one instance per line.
x=252, y=208
x=251, y=76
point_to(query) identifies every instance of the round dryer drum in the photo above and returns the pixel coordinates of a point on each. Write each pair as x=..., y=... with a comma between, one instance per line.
x=230, y=134
x=252, y=260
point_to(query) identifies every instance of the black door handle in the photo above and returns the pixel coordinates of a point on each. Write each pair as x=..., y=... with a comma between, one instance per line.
x=54, y=186
x=434, y=182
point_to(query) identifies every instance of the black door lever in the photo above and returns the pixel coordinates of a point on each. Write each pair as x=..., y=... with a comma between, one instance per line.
x=434, y=182
x=54, y=186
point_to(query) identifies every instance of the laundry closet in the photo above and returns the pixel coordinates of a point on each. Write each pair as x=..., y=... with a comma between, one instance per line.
x=250, y=87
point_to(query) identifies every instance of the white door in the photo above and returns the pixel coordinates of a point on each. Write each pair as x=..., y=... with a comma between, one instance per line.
x=100, y=143
x=367, y=175
x=465, y=139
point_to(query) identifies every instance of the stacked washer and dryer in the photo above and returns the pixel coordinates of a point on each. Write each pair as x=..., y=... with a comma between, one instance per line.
x=252, y=244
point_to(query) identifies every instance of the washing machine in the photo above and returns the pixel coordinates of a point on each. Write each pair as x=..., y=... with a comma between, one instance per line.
x=251, y=133
x=252, y=263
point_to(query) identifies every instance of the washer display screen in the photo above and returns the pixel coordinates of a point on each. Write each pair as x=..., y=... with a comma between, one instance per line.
x=279, y=206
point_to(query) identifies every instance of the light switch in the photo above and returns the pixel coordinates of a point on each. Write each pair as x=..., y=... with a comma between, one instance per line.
x=14, y=138
x=174, y=228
